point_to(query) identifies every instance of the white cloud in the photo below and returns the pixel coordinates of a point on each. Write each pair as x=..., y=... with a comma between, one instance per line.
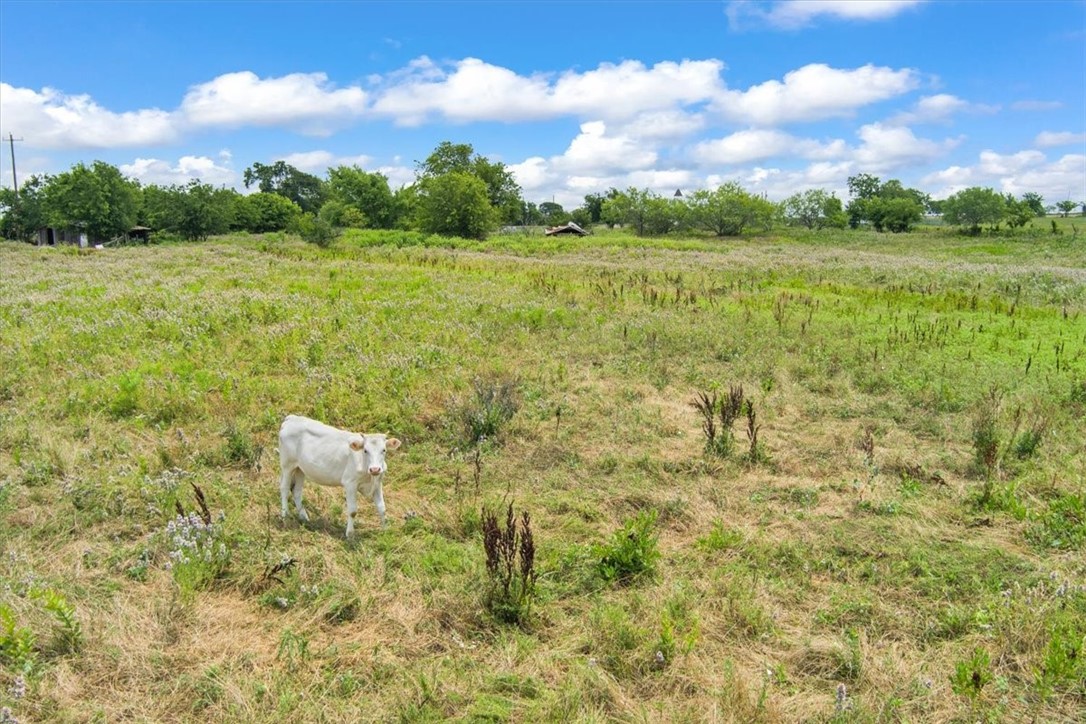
x=307, y=102
x=474, y=90
x=593, y=150
x=815, y=92
x=793, y=14
x=664, y=126
x=1048, y=139
x=532, y=173
x=663, y=181
x=938, y=109
x=629, y=88
x=1015, y=173
x=187, y=168
x=887, y=148
x=759, y=144
x=397, y=175
x=881, y=149
x=318, y=162
x=1056, y=181
x=1034, y=105
x=777, y=184
x=949, y=180
x=996, y=164
x=52, y=119
x=28, y=166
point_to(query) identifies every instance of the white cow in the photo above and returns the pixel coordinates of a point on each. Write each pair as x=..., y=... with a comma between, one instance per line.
x=330, y=456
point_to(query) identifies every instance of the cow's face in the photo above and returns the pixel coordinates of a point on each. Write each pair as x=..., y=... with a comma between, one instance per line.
x=370, y=452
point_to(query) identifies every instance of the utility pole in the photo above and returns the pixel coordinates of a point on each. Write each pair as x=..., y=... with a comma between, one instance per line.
x=14, y=178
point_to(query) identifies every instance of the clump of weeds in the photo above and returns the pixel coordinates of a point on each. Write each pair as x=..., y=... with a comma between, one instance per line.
x=509, y=589
x=483, y=413
x=718, y=414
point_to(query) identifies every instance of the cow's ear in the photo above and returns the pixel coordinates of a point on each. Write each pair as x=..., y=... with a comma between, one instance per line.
x=357, y=444
x=392, y=444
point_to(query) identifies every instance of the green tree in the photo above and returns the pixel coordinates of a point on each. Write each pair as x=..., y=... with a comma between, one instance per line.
x=728, y=210
x=861, y=189
x=863, y=186
x=313, y=229
x=25, y=213
x=532, y=215
x=553, y=214
x=366, y=192
x=281, y=178
x=405, y=205
x=881, y=203
x=1066, y=207
x=814, y=209
x=1035, y=201
x=98, y=200
x=645, y=211
x=455, y=204
x=262, y=212
x=194, y=211
x=593, y=205
x=502, y=190
x=343, y=216
x=1017, y=212
x=896, y=214
x=971, y=207
x=581, y=216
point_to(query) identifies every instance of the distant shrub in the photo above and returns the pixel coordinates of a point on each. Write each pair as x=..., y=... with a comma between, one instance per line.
x=631, y=552
x=314, y=230
x=485, y=411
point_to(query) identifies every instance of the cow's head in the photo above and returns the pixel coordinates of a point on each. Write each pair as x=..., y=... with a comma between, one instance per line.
x=371, y=450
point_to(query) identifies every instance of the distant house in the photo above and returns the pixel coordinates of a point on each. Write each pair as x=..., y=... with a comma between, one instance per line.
x=569, y=228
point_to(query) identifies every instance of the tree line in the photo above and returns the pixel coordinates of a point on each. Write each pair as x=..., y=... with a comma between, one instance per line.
x=458, y=192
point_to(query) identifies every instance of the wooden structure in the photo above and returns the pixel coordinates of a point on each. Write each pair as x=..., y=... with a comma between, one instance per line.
x=51, y=236
x=569, y=228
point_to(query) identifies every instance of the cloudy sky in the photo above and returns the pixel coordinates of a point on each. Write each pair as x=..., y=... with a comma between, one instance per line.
x=575, y=97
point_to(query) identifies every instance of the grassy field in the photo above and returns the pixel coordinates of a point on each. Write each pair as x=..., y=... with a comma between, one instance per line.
x=904, y=542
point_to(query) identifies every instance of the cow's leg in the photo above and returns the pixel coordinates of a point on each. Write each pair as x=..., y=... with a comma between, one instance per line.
x=296, y=484
x=284, y=489
x=352, y=505
x=379, y=501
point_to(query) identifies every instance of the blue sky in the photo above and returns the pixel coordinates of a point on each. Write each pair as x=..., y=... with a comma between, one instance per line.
x=574, y=97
